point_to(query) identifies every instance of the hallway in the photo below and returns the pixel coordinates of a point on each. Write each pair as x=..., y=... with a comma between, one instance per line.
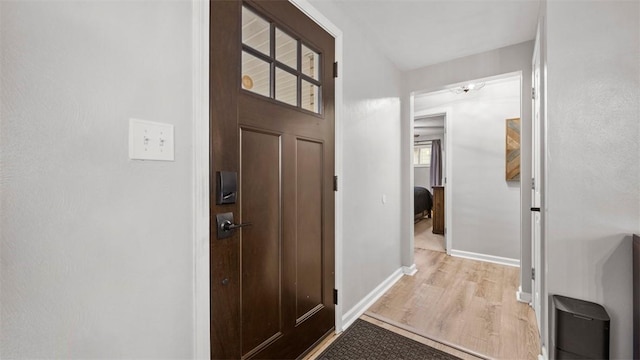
x=466, y=303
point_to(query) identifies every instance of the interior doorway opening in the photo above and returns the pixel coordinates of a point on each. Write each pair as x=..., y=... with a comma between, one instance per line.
x=429, y=164
x=482, y=207
x=471, y=120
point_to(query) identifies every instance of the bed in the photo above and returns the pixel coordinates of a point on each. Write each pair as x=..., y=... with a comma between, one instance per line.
x=422, y=202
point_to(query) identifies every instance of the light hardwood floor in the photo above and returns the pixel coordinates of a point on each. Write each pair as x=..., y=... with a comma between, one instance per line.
x=424, y=238
x=466, y=303
x=463, y=307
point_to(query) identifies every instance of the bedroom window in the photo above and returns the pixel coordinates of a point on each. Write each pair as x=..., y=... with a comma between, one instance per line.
x=422, y=155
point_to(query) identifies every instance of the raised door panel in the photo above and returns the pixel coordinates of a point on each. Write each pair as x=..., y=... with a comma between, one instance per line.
x=261, y=243
x=309, y=235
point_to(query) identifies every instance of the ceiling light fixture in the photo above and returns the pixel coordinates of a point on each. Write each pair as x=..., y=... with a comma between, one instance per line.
x=467, y=88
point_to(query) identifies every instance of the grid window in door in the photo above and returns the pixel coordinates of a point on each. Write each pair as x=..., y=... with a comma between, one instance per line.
x=278, y=65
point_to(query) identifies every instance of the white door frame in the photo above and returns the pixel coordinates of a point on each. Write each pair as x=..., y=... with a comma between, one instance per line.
x=541, y=307
x=200, y=138
x=535, y=192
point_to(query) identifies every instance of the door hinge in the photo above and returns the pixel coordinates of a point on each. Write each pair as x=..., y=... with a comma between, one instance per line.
x=335, y=296
x=335, y=69
x=533, y=273
x=335, y=183
x=533, y=183
x=533, y=93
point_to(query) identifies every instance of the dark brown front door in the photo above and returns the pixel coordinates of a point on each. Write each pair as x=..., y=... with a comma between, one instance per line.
x=272, y=122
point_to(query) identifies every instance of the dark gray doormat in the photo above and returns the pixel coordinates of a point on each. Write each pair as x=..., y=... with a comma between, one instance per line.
x=363, y=340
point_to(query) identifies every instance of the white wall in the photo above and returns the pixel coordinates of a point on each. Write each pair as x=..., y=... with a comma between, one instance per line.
x=371, y=169
x=485, y=207
x=96, y=250
x=593, y=159
x=422, y=177
x=435, y=77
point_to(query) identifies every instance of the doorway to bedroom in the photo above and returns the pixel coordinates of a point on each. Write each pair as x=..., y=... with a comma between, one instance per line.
x=428, y=170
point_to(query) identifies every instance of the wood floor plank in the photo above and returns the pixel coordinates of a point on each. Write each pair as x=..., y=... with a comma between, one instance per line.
x=425, y=238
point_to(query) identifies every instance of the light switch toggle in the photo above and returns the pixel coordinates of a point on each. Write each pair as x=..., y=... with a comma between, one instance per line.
x=150, y=140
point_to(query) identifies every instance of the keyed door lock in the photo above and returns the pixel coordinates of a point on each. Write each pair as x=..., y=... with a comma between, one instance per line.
x=226, y=187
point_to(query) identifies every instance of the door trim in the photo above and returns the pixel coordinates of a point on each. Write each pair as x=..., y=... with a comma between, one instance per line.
x=541, y=274
x=200, y=138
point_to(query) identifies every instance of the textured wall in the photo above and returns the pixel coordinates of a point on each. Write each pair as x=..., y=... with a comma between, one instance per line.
x=371, y=129
x=96, y=249
x=593, y=158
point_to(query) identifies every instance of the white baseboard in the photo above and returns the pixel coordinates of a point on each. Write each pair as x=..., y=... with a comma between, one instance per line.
x=410, y=270
x=487, y=258
x=523, y=297
x=355, y=312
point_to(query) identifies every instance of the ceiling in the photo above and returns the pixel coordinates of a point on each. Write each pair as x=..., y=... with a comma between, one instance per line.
x=417, y=33
x=429, y=127
x=445, y=97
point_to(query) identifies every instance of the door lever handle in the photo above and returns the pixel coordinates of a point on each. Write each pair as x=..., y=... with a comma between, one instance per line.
x=225, y=225
x=228, y=225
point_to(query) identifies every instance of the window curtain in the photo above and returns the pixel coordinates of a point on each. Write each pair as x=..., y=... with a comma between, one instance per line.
x=436, y=163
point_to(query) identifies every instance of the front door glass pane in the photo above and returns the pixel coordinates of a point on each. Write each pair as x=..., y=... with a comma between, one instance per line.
x=286, y=87
x=255, y=31
x=310, y=63
x=255, y=74
x=278, y=65
x=286, y=49
x=310, y=97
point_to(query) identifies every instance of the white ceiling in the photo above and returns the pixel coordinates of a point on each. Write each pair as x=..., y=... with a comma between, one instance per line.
x=417, y=33
x=438, y=99
x=427, y=127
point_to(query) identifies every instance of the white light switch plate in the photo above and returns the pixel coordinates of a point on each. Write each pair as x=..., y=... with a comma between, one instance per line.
x=150, y=140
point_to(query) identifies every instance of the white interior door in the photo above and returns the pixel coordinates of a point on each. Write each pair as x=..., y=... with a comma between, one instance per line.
x=537, y=181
